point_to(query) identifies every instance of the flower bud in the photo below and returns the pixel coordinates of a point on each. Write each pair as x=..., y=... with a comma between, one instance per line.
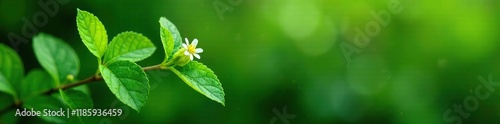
x=70, y=78
x=180, y=58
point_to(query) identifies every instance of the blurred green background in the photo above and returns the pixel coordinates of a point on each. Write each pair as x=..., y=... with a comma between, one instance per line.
x=276, y=56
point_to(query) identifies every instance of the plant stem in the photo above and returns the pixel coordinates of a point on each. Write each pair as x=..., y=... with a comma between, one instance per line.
x=18, y=103
x=64, y=87
x=98, y=63
x=154, y=67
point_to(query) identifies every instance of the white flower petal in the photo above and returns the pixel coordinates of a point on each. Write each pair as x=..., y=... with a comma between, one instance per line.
x=198, y=50
x=184, y=45
x=191, y=57
x=187, y=41
x=195, y=42
x=197, y=56
x=186, y=52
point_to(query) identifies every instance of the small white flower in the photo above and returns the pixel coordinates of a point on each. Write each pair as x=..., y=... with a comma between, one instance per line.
x=191, y=49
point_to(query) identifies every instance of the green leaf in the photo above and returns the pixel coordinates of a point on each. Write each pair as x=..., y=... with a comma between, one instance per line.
x=11, y=70
x=35, y=83
x=9, y=117
x=39, y=103
x=55, y=56
x=76, y=99
x=129, y=46
x=92, y=32
x=170, y=37
x=6, y=100
x=84, y=88
x=202, y=79
x=5, y=86
x=128, y=82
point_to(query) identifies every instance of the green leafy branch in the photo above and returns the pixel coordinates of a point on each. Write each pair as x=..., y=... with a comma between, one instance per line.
x=116, y=66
